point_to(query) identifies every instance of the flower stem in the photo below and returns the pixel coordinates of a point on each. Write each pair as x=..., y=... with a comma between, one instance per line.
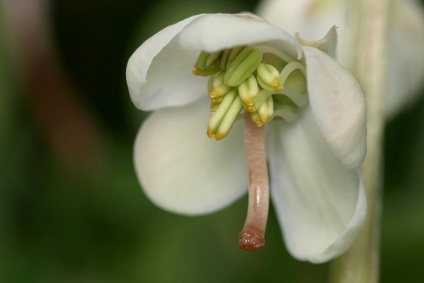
x=369, y=64
x=252, y=235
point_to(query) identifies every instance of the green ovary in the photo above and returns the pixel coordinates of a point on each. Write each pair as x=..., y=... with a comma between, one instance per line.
x=251, y=79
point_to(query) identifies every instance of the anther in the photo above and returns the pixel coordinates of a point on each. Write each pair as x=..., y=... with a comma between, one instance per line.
x=248, y=90
x=207, y=61
x=243, y=66
x=207, y=64
x=266, y=110
x=217, y=87
x=228, y=56
x=224, y=116
x=269, y=78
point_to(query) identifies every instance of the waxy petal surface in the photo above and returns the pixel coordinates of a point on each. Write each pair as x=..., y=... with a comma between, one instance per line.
x=319, y=202
x=338, y=106
x=159, y=73
x=182, y=170
x=230, y=30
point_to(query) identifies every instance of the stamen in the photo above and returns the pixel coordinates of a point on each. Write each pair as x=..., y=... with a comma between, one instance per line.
x=269, y=78
x=291, y=67
x=252, y=235
x=208, y=60
x=260, y=99
x=224, y=116
x=228, y=56
x=248, y=90
x=217, y=87
x=266, y=110
x=251, y=79
x=243, y=66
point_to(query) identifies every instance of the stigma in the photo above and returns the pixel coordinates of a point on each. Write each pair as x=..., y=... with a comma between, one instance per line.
x=262, y=81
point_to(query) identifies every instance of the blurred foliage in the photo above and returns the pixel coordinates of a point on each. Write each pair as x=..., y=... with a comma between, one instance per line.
x=65, y=224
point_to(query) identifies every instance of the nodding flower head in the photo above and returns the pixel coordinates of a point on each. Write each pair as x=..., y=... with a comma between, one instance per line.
x=268, y=101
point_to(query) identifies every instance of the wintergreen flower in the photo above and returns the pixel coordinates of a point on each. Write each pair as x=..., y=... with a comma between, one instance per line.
x=310, y=110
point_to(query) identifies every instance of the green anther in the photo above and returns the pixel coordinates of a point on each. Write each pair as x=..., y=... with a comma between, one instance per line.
x=228, y=56
x=251, y=78
x=256, y=119
x=221, y=112
x=248, y=90
x=259, y=100
x=243, y=66
x=207, y=72
x=217, y=87
x=224, y=58
x=207, y=61
x=217, y=100
x=266, y=110
x=207, y=64
x=229, y=119
x=269, y=77
x=214, y=107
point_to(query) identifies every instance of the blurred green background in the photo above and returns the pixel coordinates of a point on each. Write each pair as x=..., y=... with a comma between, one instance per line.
x=71, y=209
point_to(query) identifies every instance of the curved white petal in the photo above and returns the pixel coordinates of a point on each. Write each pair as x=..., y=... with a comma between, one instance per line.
x=286, y=14
x=311, y=19
x=215, y=32
x=327, y=44
x=159, y=72
x=338, y=105
x=406, y=59
x=320, y=203
x=181, y=170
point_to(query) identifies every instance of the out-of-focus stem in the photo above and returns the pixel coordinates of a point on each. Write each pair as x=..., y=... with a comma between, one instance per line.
x=65, y=123
x=369, y=64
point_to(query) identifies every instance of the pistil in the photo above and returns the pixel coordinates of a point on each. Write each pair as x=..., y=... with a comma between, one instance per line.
x=252, y=235
x=263, y=83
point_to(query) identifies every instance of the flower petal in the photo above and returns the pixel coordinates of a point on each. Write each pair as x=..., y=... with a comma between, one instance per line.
x=338, y=105
x=320, y=203
x=311, y=19
x=230, y=30
x=181, y=169
x=327, y=44
x=406, y=60
x=159, y=71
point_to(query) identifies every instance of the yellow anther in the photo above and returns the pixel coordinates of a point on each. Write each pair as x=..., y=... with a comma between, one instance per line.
x=266, y=110
x=224, y=116
x=269, y=78
x=248, y=90
x=217, y=87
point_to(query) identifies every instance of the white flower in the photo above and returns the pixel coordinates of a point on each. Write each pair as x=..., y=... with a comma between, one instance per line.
x=406, y=39
x=315, y=138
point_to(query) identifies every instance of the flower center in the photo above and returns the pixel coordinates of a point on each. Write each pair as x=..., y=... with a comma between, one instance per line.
x=264, y=83
x=261, y=80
